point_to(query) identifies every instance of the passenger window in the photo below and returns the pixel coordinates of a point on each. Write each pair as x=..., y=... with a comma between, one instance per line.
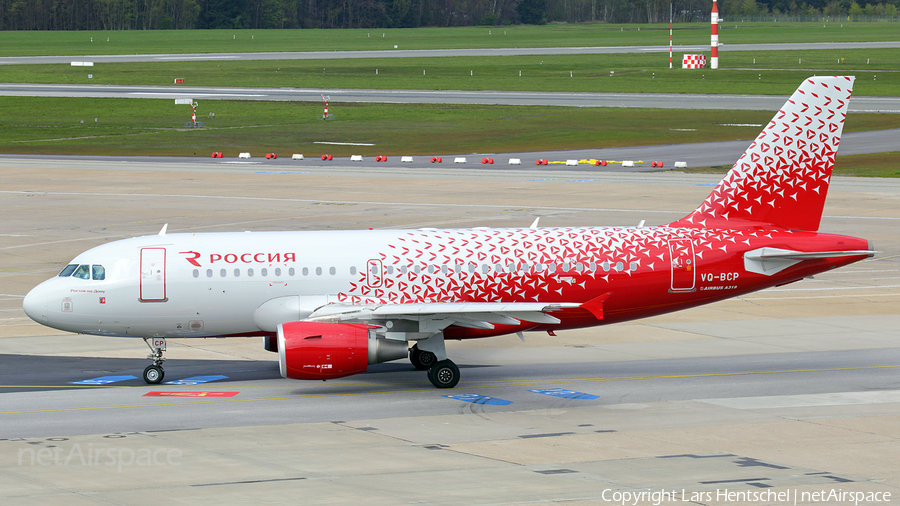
x=278, y=271
x=291, y=271
x=68, y=270
x=352, y=271
x=209, y=273
x=237, y=273
x=319, y=271
x=223, y=272
x=250, y=272
x=264, y=272
x=332, y=271
x=98, y=273
x=305, y=271
x=196, y=273
x=82, y=272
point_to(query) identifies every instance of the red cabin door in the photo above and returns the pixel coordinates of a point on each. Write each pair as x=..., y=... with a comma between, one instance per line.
x=684, y=265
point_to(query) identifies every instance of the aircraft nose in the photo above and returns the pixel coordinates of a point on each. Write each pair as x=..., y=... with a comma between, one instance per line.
x=35, y=304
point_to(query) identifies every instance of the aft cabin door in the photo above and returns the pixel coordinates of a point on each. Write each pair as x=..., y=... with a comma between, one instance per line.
x=684, y=268
x=153, y=274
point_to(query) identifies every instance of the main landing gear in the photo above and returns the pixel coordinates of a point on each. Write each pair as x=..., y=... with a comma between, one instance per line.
x=431, y=356
x=154, y=373
x=422, y=360
x=444, y=374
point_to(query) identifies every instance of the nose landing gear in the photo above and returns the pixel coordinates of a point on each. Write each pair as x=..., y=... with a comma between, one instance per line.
x=154, y=373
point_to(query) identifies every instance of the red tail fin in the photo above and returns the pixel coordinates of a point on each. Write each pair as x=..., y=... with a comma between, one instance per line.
x=782, y=178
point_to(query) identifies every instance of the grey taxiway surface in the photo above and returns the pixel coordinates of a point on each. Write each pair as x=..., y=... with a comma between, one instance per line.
x=559, y=99
x=432, y=53
x=793, y=390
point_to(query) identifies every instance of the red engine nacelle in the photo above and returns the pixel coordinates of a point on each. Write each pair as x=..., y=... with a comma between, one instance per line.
x=321, y=351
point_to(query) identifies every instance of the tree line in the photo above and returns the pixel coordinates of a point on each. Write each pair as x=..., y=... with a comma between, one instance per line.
x=267, y=14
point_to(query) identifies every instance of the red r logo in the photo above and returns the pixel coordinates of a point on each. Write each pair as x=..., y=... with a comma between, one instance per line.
x=192, y=259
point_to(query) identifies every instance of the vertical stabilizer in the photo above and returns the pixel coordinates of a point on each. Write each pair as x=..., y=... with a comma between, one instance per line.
x=782, y=179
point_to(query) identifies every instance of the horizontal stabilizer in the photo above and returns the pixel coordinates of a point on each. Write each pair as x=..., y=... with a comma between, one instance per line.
x=769, y=261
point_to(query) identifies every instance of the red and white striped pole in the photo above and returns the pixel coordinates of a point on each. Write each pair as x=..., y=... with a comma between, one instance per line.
x=670, y=35
x=325, y=99
x=714, y=39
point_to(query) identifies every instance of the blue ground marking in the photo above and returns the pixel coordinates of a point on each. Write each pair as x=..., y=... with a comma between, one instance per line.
x=102, y=380
x=582, y=181
x=196, y=380
x=565, y=394
x=479, y=399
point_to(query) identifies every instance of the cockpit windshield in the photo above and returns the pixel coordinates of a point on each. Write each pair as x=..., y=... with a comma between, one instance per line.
x=84, y=271
x=68, y=270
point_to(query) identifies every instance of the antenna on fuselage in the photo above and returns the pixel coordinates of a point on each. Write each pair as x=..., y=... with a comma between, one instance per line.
x=641, y=224
x=534, y=225
x=163, y=231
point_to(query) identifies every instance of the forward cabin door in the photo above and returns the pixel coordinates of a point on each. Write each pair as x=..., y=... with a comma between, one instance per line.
x=683, y=264
x=153, y=275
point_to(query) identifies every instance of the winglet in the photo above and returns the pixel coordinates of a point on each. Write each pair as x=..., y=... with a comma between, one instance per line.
x=595, y=305
x=534, y=225
x=163, y=231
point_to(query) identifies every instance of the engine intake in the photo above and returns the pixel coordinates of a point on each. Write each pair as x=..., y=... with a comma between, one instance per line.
x=320, y=351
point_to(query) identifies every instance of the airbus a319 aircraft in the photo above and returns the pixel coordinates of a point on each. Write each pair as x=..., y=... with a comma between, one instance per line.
x=331, y=303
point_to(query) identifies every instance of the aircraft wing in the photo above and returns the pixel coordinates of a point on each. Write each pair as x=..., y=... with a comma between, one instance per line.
x=480, y=315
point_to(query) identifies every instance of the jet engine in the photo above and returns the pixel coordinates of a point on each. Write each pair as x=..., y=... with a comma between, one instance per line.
x=321, y=351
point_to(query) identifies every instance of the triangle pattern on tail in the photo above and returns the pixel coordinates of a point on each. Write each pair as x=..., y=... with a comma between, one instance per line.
x=782, y=179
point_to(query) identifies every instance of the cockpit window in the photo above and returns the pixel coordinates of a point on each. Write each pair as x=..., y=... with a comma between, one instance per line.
x=98, y=273
x=67, y=270
x=82, y=272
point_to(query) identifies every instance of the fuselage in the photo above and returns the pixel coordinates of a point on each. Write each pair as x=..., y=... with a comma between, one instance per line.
x=232, y=284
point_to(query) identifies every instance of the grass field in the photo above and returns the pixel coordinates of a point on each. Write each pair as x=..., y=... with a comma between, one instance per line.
x=871, y=165
x=773, y=72
x=33, y=43
x=155, y=127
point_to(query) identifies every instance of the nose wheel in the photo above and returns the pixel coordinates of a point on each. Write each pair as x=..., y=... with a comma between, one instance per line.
x=154, y=373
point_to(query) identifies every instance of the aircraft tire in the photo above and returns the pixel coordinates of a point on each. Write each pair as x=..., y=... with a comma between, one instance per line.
x=422, y=360
x=444, y=374
x=154, y=374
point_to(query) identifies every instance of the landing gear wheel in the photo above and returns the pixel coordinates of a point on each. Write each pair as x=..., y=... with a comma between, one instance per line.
x=153, y=374
x=422, y=360
x=444, y=374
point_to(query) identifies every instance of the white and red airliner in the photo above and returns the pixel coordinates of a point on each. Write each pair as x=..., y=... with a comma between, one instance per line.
x=331, y=303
